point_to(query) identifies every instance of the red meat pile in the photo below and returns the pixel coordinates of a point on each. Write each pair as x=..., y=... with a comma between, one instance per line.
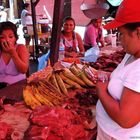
x=56, y=124
x=108, y=62
x=14, y=121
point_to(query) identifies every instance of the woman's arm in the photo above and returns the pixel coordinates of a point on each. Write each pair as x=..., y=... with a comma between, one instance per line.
x=102, y=42
x=125, y=112
x=90, y=35
x=21, y=58
x=80, y=43
x=29, y=14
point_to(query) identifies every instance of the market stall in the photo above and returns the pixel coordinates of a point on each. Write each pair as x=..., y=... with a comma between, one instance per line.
x=37, y=95
x=67, y=87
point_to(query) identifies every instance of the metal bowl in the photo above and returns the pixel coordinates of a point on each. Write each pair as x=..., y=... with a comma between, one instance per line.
x=94, y=11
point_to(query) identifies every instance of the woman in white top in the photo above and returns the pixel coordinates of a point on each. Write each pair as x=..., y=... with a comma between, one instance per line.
x=117, y=111
x=26, y=20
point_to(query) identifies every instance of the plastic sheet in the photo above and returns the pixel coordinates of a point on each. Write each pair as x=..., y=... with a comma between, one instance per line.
x=91, y=54
x=42, y=61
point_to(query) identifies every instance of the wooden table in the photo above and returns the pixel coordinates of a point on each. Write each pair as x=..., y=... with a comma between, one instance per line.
x=14, y=91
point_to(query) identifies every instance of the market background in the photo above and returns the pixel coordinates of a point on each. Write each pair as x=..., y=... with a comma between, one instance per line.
x=14, y=8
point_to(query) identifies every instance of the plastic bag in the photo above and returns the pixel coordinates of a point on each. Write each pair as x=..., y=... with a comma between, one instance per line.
x=91, y=54
x=42, y=61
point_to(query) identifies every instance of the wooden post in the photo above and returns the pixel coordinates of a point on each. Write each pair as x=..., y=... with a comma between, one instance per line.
x=33, y=4
x=56, y=30
x=67, y=8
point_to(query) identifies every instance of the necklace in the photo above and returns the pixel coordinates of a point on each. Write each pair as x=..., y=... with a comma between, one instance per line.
x=68, y=43
x=130, y=60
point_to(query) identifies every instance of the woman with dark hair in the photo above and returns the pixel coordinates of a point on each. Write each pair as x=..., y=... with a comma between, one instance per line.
x=71, y=40
x=117, y=110
x=93, y=35
x=14, y=58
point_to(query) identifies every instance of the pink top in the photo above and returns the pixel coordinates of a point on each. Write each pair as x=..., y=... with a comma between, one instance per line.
x=91, y=35
x=9, y=73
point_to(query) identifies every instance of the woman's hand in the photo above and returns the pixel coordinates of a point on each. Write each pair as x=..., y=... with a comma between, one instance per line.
x=8, y=47
x=80, y=54
x=70, y=54
x=101, y=88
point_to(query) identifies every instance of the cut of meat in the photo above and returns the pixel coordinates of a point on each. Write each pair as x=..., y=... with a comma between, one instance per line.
x=5, y=130
x=56, y=123
x=37, y=132
x=17, y=118
x=75, y=132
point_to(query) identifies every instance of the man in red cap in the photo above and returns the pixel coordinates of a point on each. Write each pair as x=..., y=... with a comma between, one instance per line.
x=117, y=112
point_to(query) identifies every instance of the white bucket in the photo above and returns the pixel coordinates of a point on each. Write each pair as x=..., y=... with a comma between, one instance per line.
x=113, y=40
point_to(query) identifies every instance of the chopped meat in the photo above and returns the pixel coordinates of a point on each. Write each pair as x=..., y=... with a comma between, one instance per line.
x=75, y=132
x=5, y=130
x=16, y=117
x=37, y=132
x=56, y=123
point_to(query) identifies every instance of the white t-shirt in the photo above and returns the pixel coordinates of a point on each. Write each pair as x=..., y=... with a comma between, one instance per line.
x=128, y=76
x=25, y=20
x=3, y=16
x=69, y=43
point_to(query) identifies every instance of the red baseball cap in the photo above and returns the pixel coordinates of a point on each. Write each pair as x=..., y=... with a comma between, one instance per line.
x=128, y=12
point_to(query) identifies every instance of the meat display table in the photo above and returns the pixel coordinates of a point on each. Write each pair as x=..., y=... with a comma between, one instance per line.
x=14, y=92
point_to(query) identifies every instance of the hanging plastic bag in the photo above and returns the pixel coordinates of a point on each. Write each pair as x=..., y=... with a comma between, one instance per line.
x=91, y=54
x=42, y=61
